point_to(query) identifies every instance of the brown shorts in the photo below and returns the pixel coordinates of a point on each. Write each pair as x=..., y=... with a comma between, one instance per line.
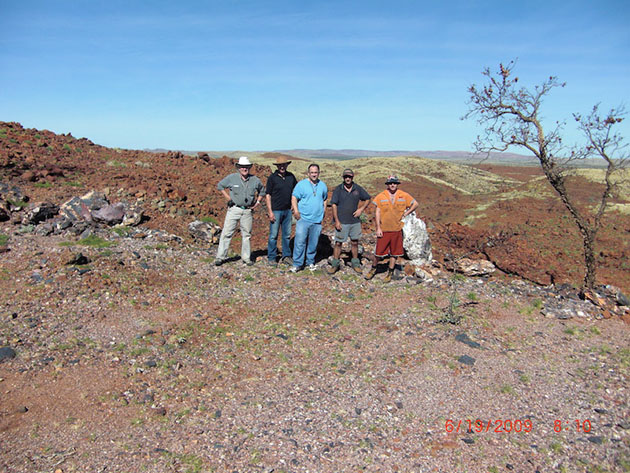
x=390, y=244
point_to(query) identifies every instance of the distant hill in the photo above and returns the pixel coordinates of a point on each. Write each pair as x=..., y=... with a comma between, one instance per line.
x=458, y=157
x=462, y=157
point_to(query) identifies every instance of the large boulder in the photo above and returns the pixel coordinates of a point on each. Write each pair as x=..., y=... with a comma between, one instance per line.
x=416, y=240
x=110, y=214
x=205, y=231
x=80, y=208
x=471, y=267
x=12, y=193
x=133, y=215
x=11, y=200
x=39, y=212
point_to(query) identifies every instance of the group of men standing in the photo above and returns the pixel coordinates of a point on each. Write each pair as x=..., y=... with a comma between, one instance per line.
x=286, y=198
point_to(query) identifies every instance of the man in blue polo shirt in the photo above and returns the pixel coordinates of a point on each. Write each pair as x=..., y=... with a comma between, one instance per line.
x=349, y=200
x=308, y=203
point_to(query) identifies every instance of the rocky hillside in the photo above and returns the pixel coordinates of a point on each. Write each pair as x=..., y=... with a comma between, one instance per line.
x=510, y=215
x=124, y=348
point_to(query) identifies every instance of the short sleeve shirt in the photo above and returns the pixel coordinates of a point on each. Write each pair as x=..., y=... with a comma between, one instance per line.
x=393, y=210
x=279, y=189
x=348, y=201
x=311, y=198
x=242, y=192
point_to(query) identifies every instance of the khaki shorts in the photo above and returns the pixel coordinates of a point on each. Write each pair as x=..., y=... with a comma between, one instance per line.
x=352, y=230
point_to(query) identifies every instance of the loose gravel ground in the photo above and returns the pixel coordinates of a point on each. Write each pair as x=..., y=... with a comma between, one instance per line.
x=150, y=358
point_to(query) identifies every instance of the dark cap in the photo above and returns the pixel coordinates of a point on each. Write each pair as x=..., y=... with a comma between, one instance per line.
x=347, y=172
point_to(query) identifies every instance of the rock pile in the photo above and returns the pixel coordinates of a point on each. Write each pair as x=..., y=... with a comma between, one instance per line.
x=75, y=216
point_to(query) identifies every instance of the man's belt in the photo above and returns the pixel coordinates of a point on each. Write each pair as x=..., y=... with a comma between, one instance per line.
x=232, y=204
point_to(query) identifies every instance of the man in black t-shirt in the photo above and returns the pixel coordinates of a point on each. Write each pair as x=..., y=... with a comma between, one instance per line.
x=280, y=185
x=349, y=200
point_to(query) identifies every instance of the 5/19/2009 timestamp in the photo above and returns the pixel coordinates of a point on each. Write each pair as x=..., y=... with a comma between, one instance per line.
x=498, y=425
x=513, y=425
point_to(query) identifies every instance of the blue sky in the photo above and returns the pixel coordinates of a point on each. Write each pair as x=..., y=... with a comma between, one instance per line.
x=256, y=75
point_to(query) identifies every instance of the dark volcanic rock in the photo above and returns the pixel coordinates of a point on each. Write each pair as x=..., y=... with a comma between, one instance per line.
x=6, y=353
x=466, y=360
x=40, y=212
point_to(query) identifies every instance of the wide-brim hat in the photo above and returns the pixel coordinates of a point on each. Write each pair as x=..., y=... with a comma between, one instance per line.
x=243, y=161
x=281, y=160
x=392, y=180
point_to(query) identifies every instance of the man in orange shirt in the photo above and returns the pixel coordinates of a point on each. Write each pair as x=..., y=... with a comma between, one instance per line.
x=391, y=206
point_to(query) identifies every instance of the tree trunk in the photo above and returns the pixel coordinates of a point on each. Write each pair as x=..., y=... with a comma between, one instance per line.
x=589, y=260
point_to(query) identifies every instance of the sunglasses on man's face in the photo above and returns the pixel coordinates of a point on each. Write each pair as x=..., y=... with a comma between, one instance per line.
x=348, y=177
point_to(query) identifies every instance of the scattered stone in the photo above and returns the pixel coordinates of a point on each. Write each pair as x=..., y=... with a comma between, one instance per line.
x=40, y=212
x=44, y=229
x=468, y=440
x=12, y=194
x=150, y=364
x=466, y=360
x=624, y=424
x=78, y=259
x=464, y=338
x=205, y=231
x=596, y=439
x=622, y=299
x=470, y=267
x=133, y=216
x=416, y=240
x=7, y=353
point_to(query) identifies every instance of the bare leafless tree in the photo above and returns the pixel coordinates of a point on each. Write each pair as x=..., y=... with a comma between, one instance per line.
x=511, y=117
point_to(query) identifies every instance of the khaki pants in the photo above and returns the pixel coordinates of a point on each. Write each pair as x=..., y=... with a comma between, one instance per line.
x=234, y=217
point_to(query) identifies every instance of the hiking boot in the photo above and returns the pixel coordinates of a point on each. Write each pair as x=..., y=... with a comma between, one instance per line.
x=356, y=265
x=334, y=266
x=370, y=273
x=286, y=260
x=294, y=269
x=248, y=262
x=312, y=267
x=388, y=276
x=219, y=262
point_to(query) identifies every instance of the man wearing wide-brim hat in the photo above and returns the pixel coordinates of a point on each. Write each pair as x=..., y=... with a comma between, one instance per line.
x=391, y=206
x=279, y=187
x=245, y=193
